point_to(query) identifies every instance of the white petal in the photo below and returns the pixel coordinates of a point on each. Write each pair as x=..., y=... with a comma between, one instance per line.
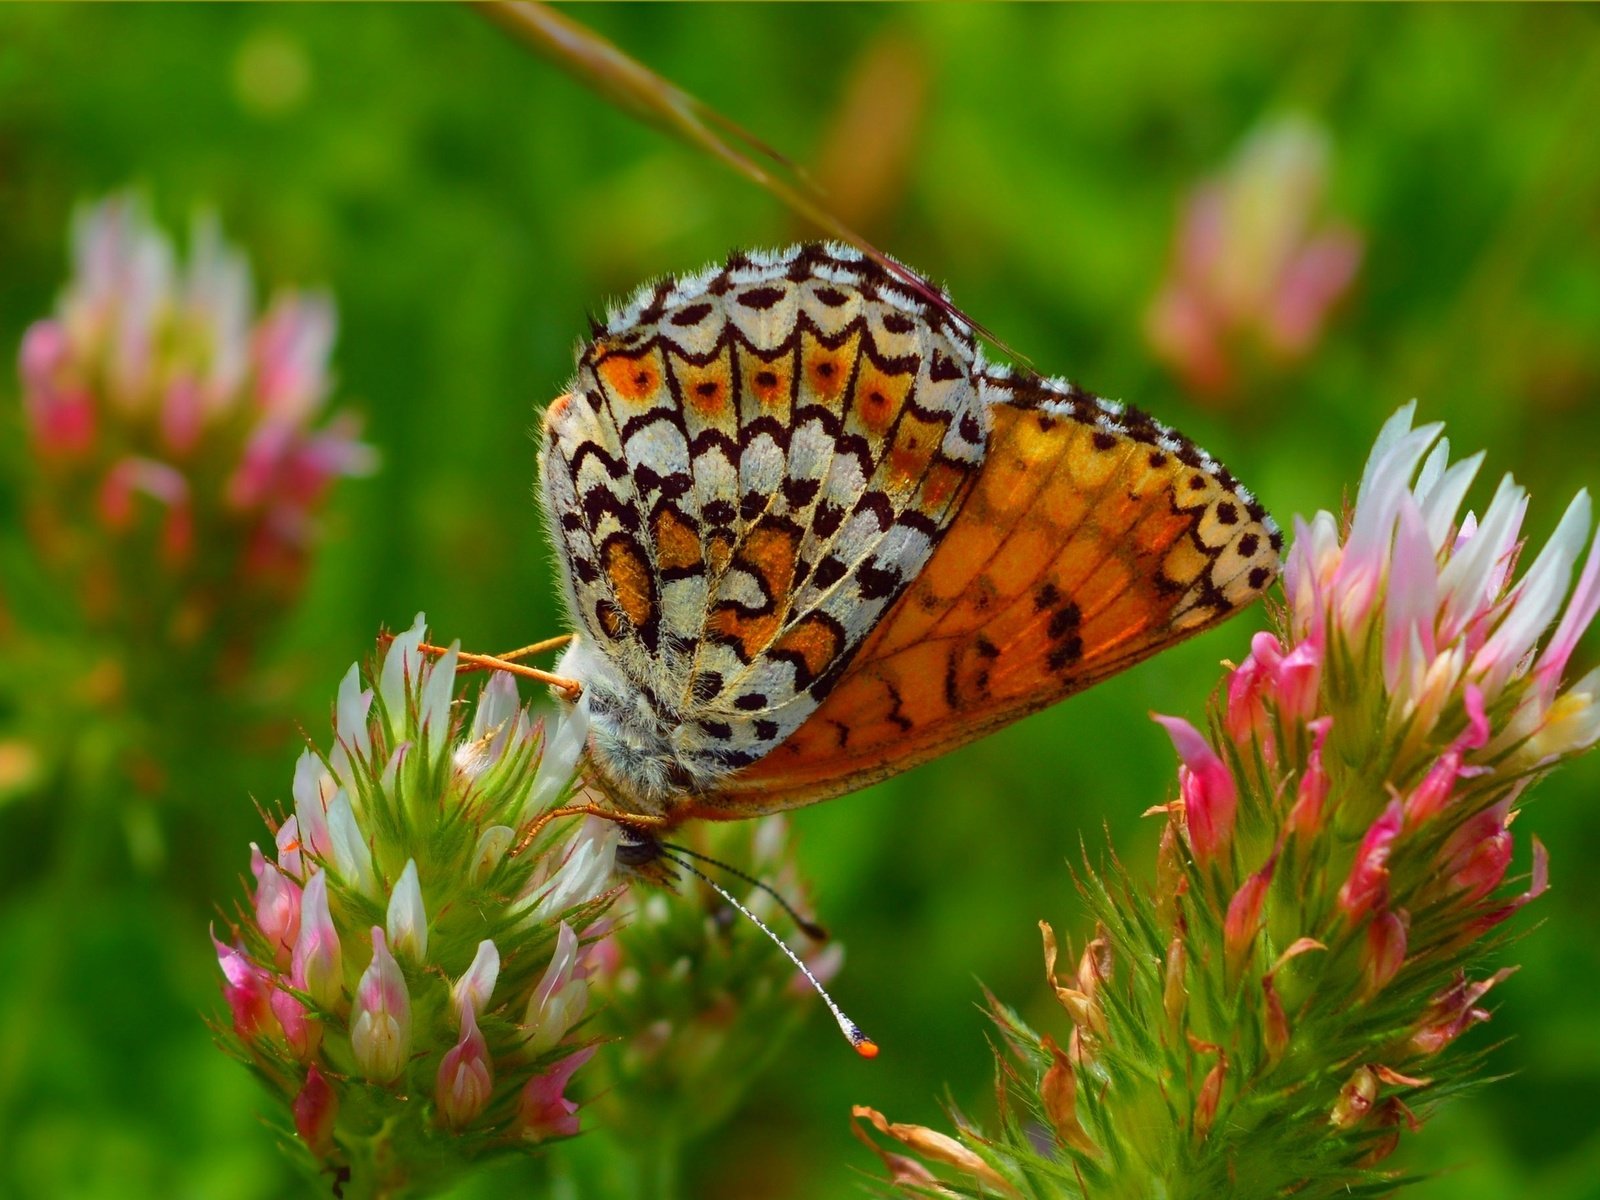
x=476, y=986
x=310, y=805
x=347, y=848
x=1466, y=580
x=559, y=762
x=492, y=845
x=497, y=704
x=1412, y=601
x=351, y=710
x=400, y=668
x=439, y=683
x=1395, y=428
x=407, y=921
x=1442, y=501
x=1538, y=598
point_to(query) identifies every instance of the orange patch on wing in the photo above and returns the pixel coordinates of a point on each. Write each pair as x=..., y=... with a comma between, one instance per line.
x=827, y=371
x=719, y=549
x=879, y=397
x=677, y=544
x=941, y=483
x=767, y=379
x=635, y=378
x=708, y=389
x=631, y=580
x=767, y=552
x=914, y=444
x=814, y=640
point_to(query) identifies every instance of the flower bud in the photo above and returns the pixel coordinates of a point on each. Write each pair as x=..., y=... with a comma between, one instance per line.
x=1453, y=1011
x=465, y=1075
x=490, y=850
x=1243, y=919
x=318, y=962
x=1384, y=950
x=1208, y=791
x=1245, y=716
x=1430, y=796
x=561, y=997
x=407, y=920
x=1355, y=1100
x=348, y=848
x=476, y=986
x=1478, y=854
x=380, y=1018
x=247, y=989
x=1275, y=1022
x=302, y=1032
x=1297, y=677
x=290, y=860
x=1311, y=793
x=316, y=1109
x=1205, y=1105
x=544, y=1111
x=1058, y=1091
x=277, y=905
x=1174, y=993
x=1368, y=882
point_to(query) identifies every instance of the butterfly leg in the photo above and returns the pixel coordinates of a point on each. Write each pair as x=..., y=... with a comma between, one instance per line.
x=571, y=689
x=633, y=821
x=521, y=652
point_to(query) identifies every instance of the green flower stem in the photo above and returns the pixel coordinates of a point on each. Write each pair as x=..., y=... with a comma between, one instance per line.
x=376, y=1172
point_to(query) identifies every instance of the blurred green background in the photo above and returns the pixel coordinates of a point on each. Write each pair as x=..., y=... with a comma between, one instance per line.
x=468, y=205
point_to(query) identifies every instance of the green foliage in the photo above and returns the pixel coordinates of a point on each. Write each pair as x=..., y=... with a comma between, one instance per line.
x=467, y=205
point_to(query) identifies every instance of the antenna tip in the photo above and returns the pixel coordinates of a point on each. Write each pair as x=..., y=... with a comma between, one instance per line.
x=864, y=1045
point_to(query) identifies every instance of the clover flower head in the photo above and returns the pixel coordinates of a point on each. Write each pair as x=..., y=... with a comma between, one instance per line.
x=400, y=966
x=1335, y=870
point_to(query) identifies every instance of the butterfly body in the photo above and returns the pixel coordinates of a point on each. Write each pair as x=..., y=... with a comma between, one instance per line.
x=811, y=538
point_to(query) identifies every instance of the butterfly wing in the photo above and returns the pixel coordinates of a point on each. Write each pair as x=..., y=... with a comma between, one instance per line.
x=750, y=469
x=1092, y=538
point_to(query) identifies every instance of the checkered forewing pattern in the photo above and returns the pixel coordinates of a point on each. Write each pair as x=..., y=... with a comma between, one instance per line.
x=751, y=467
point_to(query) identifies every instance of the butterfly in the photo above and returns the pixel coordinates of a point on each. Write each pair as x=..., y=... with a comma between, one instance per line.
x=810, y=538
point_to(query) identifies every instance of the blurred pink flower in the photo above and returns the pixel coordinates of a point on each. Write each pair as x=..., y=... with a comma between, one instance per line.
x=194, y=430
x=1251, y=265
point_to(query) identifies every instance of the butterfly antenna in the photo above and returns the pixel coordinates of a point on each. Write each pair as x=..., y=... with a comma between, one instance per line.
x=810, y=928
x=864, y=1045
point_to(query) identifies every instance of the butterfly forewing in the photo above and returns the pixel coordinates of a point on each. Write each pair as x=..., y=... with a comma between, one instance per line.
x=1092, y=538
